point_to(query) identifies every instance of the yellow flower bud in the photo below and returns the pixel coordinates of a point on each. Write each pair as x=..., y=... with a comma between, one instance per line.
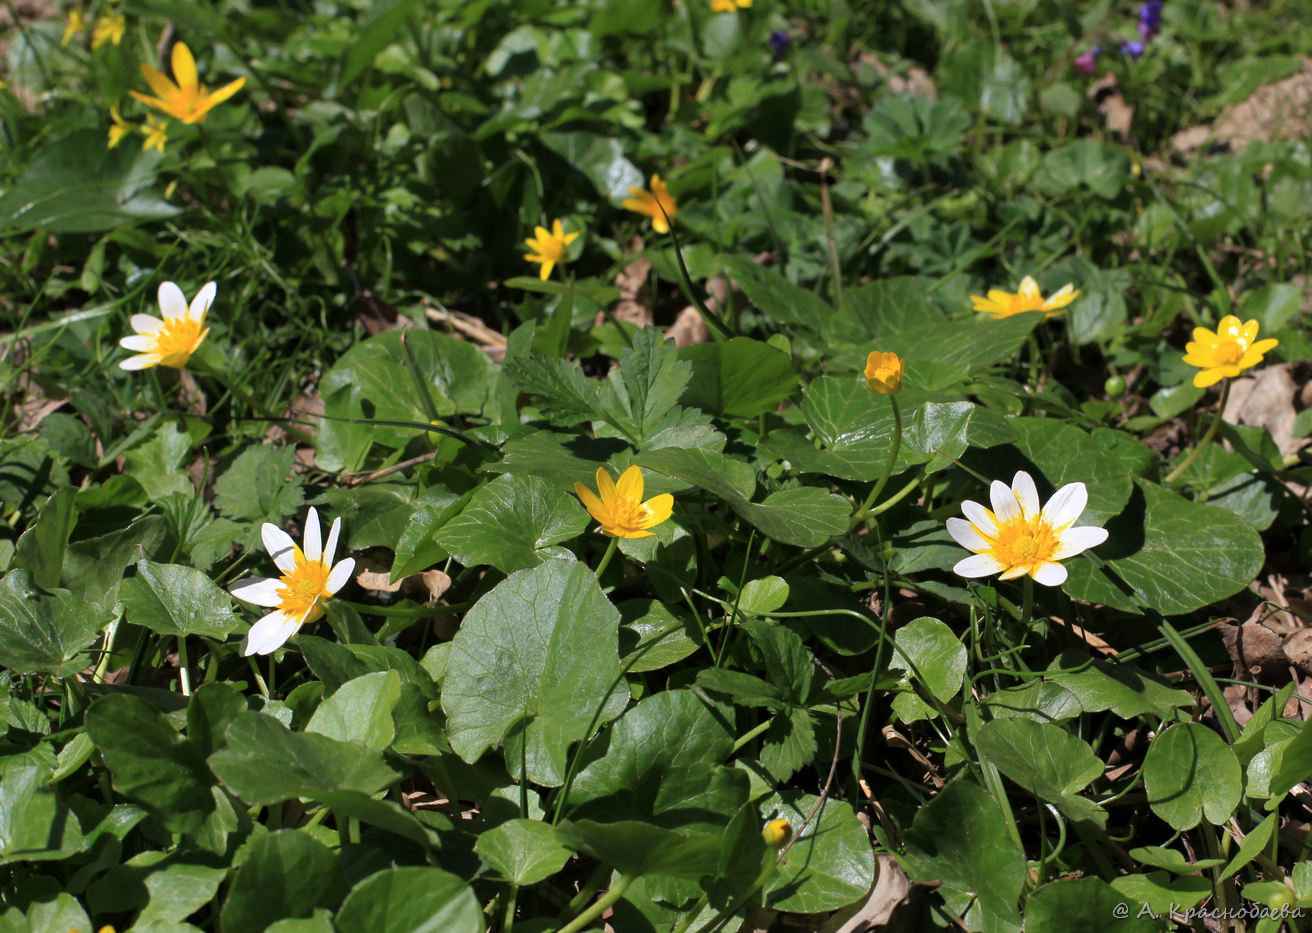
x=884, y=373
x=776, y=833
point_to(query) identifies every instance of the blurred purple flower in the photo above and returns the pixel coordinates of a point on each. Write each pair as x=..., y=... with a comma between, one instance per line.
x=1088, y=62
x=1147, y=30
x=779, y=42
x=1133, y=48
x=1151, y=12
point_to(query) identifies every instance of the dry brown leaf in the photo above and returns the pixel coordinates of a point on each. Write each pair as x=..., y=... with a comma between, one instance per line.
x=1255, y=649
x=688, y=328
x=1273, y=112
x=377, y=316
x=1266, y=399
x=892, y=891
x=1118, y=115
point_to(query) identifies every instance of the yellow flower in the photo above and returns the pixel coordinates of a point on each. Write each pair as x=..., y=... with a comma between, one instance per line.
x=728, y=6
x=109, y=28
x=157, y=133
x=1001, y=304
x=884, y=372
x=297, y=597
x=73, y=25
x=1018, y=538
x=549, y=247
x=620, y=509
x=188, y=100
x=171, y=341
x=776, y=833
x=1226, y=353
x=651, y=202
x=119, y=129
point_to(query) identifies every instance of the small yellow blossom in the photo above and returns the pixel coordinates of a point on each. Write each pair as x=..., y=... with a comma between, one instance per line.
x=309, y=578
x=650, y=203
x=728, y=6
x=549, y=247
x=73, y=25
x=171, y=341
x=620, y=509
x=1018, y=538
x=119, y=128
x=776, y=833
x=157, y=134
x=188, y=100
x=1000, y=304
x=109, y=28
x=1227, y=352
x=884, y=372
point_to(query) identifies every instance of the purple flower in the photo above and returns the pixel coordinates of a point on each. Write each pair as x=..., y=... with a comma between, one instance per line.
x=779, y=42
x=1151, y=12
x=1147, y=30
x=1088, y=62
x=1133, y=48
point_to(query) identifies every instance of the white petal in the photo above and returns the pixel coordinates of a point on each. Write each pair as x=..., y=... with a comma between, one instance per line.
x=140, y=362
x=1005, y=505
x=330, y=550
x=260, y=591
x=269, y=634
x=1022, y=486
x=280, y=546
x=172, y=303
x=980, y=517
x=338, y=576
x=1050, y=574
x=1072, y=541
x=965, y=534
x=145, y=323
x=977, y=565
x=313, y=539
x=1066, y=505
x=201, y=303
x=139, y=343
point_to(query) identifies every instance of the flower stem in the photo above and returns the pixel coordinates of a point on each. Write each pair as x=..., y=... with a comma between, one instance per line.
x=605, y=558
x=599, y=906
x=1027, y=604
x=184, y=675
x=1206, y=439
x=508, y=908
x=893, y=450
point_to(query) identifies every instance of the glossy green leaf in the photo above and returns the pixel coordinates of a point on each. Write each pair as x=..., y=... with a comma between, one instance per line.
x=44, y=632
x=150, y=762
x=738, y=377
x=534, y=661
x=259, y=486
x=960, y=839
x=35, y=824
x=1176, y=555
x=831, y=863
x=1083, y=905
x=523, y=851
x=171, y=599
x=762, y=597
x=1047, y=761
x=286, y=874
x=360, y=711
x=779, y=299
x=805, y=516
x=928, y=652
x=1161, y=892
x=1190, y=774
x=410, y=899
x=41, y=548
x=308, y=764
x=1065, y=454
x=511, y=523
x=1125, y=689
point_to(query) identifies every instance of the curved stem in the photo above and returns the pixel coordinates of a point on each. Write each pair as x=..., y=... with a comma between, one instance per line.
x=599, y=906
x=893, y=450
x=605, y=558
x=1206, y=439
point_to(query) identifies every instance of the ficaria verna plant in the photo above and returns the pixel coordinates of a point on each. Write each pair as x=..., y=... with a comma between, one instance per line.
x=415, y=517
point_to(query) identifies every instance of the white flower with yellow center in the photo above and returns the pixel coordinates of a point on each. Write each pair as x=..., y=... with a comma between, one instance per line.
x=298, y=596
x=171, y=341
x=1018, y=538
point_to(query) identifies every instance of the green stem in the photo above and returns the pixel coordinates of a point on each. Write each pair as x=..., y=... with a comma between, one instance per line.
x=750, y=734
x=1211, y=688
x=1027, y=604
x=508, y=909
x=895, y=498
x=605, y=558
x=1206, y=439
x=259, y=681
x=599, y=906
x=880, y=483
x=255, y=404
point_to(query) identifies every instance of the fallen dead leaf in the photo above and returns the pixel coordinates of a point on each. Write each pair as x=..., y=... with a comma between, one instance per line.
x=1254, y=649
x=891, y=893
x=1273, y=112
x=1266, y=399
x=1118, y=115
